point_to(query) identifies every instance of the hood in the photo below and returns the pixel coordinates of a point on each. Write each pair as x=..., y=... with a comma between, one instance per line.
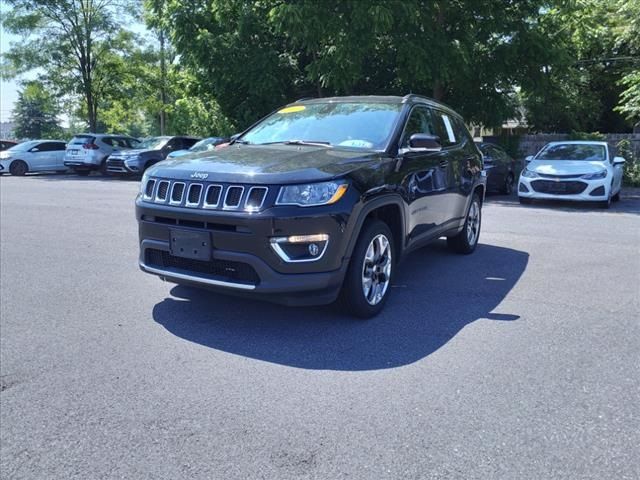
x=565, y=167
x=266, y=164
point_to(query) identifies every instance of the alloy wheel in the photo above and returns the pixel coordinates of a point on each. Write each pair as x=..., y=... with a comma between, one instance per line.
x=376, y=269
x=473, y=223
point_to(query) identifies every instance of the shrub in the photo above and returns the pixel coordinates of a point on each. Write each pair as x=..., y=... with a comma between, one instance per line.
x=631, y=176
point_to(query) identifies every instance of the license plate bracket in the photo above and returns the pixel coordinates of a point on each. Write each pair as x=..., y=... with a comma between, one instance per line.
x=190, y=244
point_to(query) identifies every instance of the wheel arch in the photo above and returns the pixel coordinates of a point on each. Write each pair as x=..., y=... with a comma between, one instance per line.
x=390, y=210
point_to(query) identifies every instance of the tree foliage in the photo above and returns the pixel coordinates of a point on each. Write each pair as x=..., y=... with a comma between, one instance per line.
x=73, y=41
x=36, y=113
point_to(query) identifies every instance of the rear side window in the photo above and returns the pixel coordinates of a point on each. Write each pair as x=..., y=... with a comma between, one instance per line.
x=81, y=139
x=444, y=126
x=109, y=141
x=50, y=146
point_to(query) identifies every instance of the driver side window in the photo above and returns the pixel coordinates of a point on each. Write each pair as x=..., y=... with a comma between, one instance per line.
x=419, y=121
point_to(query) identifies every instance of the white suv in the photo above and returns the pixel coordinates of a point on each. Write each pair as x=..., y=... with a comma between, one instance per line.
x=89, y=151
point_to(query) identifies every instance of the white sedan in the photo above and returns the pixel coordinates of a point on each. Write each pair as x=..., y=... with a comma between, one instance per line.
x=576, y=171
x=33, y=156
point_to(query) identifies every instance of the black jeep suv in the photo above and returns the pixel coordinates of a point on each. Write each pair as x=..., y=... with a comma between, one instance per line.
x=318, y=200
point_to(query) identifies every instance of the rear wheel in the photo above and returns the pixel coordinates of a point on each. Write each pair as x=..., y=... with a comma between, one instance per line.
x=524, y=201
x=466, y=241
x=18, y=168
x=366, y=284
x=82, y=173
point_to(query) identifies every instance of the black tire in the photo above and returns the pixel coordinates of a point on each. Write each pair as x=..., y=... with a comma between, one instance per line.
x=465, y=242
x=507, y=188
x=524, y=201
x=616, y=197
x=82, y=173
x=18, y=168
x=352, y=296
x=604, y=205
x=103, y=168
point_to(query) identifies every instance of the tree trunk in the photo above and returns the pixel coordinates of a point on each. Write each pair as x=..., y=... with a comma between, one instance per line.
x=163, y=84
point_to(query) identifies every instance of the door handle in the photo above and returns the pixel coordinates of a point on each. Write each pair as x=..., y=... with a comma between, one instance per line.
x=444, y=163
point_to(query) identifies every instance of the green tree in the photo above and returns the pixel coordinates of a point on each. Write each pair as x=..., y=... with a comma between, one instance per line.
x=72, y=40
x=36, y=113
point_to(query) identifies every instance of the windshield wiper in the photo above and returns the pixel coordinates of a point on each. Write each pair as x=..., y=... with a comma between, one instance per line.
x=300, y=142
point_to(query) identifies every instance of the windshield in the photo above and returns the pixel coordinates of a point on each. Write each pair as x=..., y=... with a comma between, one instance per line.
x=573, y=151
x=153, y=143
x=23, y=147
x=204, y=144
x=357, y=124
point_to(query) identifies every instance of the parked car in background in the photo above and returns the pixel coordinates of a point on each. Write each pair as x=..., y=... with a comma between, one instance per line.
x=88, y=152
x=6, y=144
x=149, y=152
x=33, y=156
x=317, y=201
x=500, y=167
x=577, y=171
x=203, y=145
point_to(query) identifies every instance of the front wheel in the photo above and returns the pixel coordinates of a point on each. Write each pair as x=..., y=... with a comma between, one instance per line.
x=507, y=188
x=18, y=168
x=366, y=284
x=82, y=173
x=466, y=241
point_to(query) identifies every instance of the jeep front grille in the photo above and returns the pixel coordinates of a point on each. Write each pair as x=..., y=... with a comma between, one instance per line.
x=233, y=197
x=209, y=196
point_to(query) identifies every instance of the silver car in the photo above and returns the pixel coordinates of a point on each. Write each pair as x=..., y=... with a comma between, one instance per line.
x=89, y=151
x=33, y=156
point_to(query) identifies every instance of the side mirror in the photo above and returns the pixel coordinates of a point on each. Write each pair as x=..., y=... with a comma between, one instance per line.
x=618, y=160
x=233, y=138
x=528, y=158
x=34, y=149
x=421, y=142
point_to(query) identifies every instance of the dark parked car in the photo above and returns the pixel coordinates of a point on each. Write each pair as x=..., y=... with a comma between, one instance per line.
x=6, y=144
x=500, y=167
x=149, y=152
x=318, y=200
x=203, y=145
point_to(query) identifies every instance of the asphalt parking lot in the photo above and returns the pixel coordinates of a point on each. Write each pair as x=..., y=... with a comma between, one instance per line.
x=520, y=361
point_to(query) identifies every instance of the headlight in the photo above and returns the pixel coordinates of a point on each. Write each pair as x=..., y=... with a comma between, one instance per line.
x=143, y=182
x=529, y=174
x=595, y=176
x=312, y=194
x=4, y=155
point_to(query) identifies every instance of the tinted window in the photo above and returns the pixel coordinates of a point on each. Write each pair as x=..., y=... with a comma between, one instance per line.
x=419, y=121
x=50, y=146
x=188, y=142
x=108, y=141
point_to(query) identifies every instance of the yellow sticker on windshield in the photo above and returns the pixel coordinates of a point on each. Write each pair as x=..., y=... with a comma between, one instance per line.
x=295, y=108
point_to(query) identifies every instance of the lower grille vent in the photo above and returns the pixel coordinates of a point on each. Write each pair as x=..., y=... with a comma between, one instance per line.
x=215, y=269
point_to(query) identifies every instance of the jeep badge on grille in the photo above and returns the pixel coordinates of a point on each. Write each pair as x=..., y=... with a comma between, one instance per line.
x=199, y=175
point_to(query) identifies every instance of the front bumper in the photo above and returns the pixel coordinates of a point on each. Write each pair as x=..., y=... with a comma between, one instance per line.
x=574, y=189
x=243, y=261
x=122, y=166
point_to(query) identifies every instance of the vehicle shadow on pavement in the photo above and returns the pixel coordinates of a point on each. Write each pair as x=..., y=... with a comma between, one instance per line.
x=435, y=295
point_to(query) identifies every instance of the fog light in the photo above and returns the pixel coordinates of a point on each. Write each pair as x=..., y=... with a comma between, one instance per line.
x=300, y=248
